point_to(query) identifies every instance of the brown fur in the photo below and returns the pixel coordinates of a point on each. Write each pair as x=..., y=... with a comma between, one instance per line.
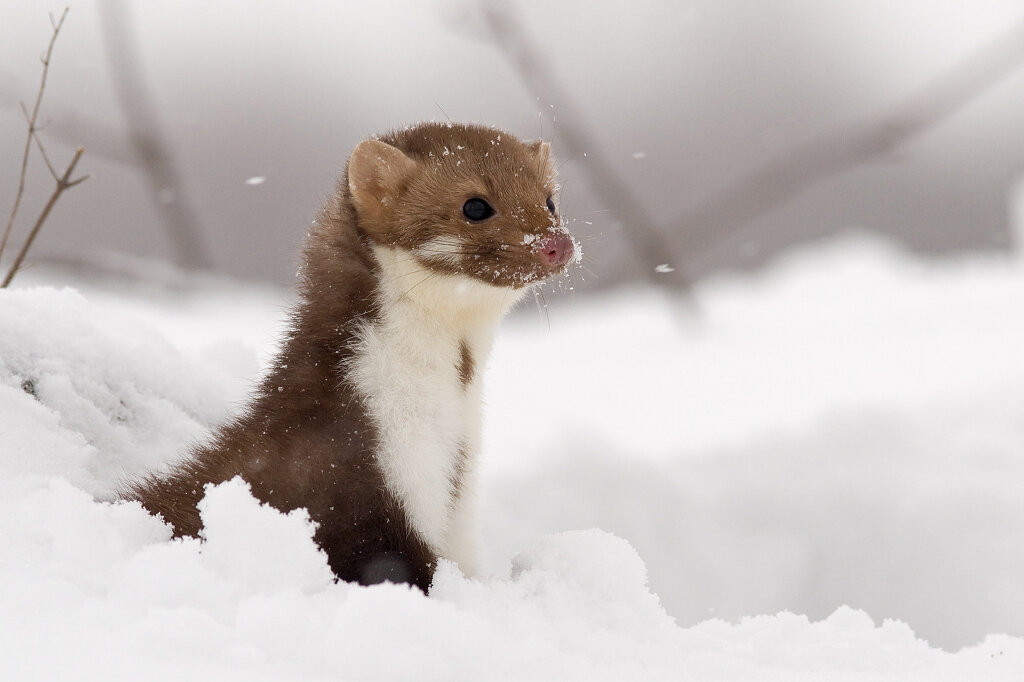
x=304, y=440
x=466, y=365
x=455, y=163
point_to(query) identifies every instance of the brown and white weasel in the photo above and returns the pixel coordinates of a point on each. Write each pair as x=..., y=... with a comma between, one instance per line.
x=370, y=414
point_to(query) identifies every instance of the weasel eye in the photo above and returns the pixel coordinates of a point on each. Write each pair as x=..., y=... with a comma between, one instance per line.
x=477, y=209
x=551, y=206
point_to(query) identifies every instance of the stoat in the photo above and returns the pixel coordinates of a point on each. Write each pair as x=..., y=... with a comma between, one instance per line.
x=369, y=416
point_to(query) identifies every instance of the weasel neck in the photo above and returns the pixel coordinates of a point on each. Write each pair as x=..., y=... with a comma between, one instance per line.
x=460, y=304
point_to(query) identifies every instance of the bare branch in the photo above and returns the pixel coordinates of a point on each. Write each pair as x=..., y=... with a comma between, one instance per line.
x=78, y=181
x=39, y=143
x=46, y=159
x=64, y=182
x=32, y=129
x=724, y=214
x=650, y=245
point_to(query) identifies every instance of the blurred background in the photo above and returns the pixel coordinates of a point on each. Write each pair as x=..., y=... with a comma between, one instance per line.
x=703, y=135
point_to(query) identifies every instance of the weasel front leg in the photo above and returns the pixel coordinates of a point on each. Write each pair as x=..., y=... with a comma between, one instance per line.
x=463, y=545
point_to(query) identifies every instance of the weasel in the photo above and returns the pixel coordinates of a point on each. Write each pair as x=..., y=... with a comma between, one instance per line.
x=369, y=416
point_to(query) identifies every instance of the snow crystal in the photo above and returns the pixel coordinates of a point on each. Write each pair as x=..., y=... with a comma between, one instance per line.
x=577, y=250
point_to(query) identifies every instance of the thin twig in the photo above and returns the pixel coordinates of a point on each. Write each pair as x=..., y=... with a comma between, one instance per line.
x=46, y=158
x=32, y=129
x=39, y=143
x=64, y=182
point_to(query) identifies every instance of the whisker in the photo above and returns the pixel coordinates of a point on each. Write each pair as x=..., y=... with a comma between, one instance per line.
x=409, y=290
x=438, y=105
x=547, y=317
x=416, y=272
x=536, y=300
x=570, y=274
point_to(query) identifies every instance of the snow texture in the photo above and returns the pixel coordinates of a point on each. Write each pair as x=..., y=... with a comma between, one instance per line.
x=840, y=436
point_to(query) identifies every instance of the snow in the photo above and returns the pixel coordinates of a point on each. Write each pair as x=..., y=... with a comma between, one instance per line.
x=847, y=428
x=840, y=436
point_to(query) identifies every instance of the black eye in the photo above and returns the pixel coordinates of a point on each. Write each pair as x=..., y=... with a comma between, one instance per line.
x=477, y=209
x=551, y=206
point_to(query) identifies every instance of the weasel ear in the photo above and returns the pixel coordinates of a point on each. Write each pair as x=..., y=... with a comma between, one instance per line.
x=542, y=151
x=376, y=172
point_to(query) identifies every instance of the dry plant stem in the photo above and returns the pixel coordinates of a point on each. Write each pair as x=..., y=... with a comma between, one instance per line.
x=32, y=129
x=64, y=182
x=649, y=244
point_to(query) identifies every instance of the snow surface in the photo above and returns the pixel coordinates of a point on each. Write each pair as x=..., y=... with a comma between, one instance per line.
x=844, y=429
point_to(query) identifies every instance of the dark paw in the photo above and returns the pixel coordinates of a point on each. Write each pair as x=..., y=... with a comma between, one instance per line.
x=387, y=567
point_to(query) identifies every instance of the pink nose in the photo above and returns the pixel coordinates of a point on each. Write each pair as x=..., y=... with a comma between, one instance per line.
x=556, y=249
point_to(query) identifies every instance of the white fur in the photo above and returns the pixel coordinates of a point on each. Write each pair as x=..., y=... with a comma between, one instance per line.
x=405, y=369
x=441, y=249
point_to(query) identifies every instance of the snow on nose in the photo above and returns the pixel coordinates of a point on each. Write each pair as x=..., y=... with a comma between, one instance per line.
x=555, y=249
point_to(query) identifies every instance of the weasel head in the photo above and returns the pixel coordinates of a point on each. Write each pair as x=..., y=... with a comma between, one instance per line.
x=463, y=200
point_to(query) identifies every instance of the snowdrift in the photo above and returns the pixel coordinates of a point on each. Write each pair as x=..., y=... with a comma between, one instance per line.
x=846, y=429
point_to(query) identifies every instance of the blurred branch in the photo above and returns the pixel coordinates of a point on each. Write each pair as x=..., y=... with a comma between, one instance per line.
x=165, y=187
x=32, y=129
x=723, y=215
x=577, y=137
x=69, y=125
x=64, y=182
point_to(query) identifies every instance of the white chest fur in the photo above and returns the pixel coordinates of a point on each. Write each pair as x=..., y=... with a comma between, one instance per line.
x=406, y=370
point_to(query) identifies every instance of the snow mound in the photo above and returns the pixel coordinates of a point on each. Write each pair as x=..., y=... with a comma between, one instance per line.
x=97, y=591
x=846, y=427
x=258, y=546
x=91, y=395
x=921, y=505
